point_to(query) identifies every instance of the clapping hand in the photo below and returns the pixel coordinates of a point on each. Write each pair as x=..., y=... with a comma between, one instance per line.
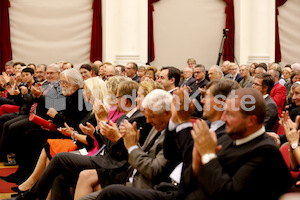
x=52, y=112
x=129, y=133
x=110, y=131
x=89, y=129
x=205, y=142
x=67, y=131
x=36, y=90
x=101, y=112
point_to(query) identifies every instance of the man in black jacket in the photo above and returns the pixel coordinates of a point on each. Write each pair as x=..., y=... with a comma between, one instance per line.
x=244, y=168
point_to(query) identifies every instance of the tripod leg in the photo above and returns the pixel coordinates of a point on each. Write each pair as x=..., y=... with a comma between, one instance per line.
x=221, y=49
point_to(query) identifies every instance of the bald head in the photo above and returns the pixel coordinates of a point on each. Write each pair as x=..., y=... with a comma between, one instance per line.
x=215, y=72
x=225, y=68
x=187, y=72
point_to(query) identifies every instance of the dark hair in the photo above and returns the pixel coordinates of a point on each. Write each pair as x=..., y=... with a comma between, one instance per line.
x=222, y=86
x=267, y=80
x=263, y=65
x=19, y=63
x=65, y=63
x=122, y=67
x=86, y=66
x=135, y=66
x=95, y=68
x=173, y=72
x=28, y=69
x=31, y=64
x=294, y=74
x=259, y=104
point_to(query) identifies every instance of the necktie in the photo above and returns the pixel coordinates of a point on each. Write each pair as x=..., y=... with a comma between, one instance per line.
x=123, y=120
x=150, y=144
x=148, y=147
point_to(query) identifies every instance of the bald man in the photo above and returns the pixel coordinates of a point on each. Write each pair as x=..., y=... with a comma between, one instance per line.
x=188, y=79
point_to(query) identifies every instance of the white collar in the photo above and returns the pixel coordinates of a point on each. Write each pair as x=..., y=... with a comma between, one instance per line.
x=250, y=137
x=130, y=113
x=172, y=90
x=265, y=96
x=216, y=124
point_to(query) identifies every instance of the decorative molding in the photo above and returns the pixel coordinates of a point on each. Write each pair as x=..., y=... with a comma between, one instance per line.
x=125, y=58
x=258, y=59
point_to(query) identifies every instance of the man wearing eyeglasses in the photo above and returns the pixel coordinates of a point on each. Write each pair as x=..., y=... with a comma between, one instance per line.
x=130, y=71
x=264, y=82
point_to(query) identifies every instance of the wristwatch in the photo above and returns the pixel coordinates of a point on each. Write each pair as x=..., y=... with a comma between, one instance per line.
x=294, y=146
x=208, y=157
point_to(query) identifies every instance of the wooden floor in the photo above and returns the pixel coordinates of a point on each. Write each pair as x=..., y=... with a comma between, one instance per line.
x=5, y=195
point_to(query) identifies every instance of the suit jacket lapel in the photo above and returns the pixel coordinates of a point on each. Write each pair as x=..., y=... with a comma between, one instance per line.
x=150, y=136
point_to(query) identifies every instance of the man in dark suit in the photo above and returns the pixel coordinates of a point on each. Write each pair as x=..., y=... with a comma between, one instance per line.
x=196, y=88
x=234, y=75
x=131, y=71
x=188, y=79
x=169, y=77
x=264, y=82
x=245, y=166
x=199, y=74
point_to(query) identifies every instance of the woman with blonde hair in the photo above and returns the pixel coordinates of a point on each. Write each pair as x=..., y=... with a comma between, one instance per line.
x=286, y=73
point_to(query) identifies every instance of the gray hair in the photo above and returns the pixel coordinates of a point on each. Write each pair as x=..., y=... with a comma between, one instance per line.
x=296, y=65
x=74, y=75
x=218, y=70
x=202, y=67
x=246, y=66
x=261, y=68
x=9, y=63
x=42, y=65
x=158, y=101
x=56, y=66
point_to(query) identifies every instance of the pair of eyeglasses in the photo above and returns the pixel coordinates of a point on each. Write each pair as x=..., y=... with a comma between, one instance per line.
x=256, y=84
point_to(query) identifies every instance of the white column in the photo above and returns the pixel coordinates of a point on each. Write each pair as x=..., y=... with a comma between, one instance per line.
x=255, y=31
x=125, y=28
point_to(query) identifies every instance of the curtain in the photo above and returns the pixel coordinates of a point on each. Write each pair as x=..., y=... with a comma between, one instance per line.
x=151, y=52
x=277, y=40
x=96, y=39
x=229, y=49
x=5, y=45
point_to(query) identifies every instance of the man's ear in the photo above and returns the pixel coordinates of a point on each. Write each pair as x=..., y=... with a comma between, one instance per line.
x=172, y=80
x=220, y=103
x=266, y=89
x=252, y=120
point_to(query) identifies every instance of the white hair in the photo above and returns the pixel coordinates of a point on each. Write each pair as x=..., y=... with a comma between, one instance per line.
x=56, y=66
x=158, y=101
x=218, y=70
x=74, y=75
x=296, y=66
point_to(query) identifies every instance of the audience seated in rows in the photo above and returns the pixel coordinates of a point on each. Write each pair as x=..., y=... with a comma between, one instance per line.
x=194, y=150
